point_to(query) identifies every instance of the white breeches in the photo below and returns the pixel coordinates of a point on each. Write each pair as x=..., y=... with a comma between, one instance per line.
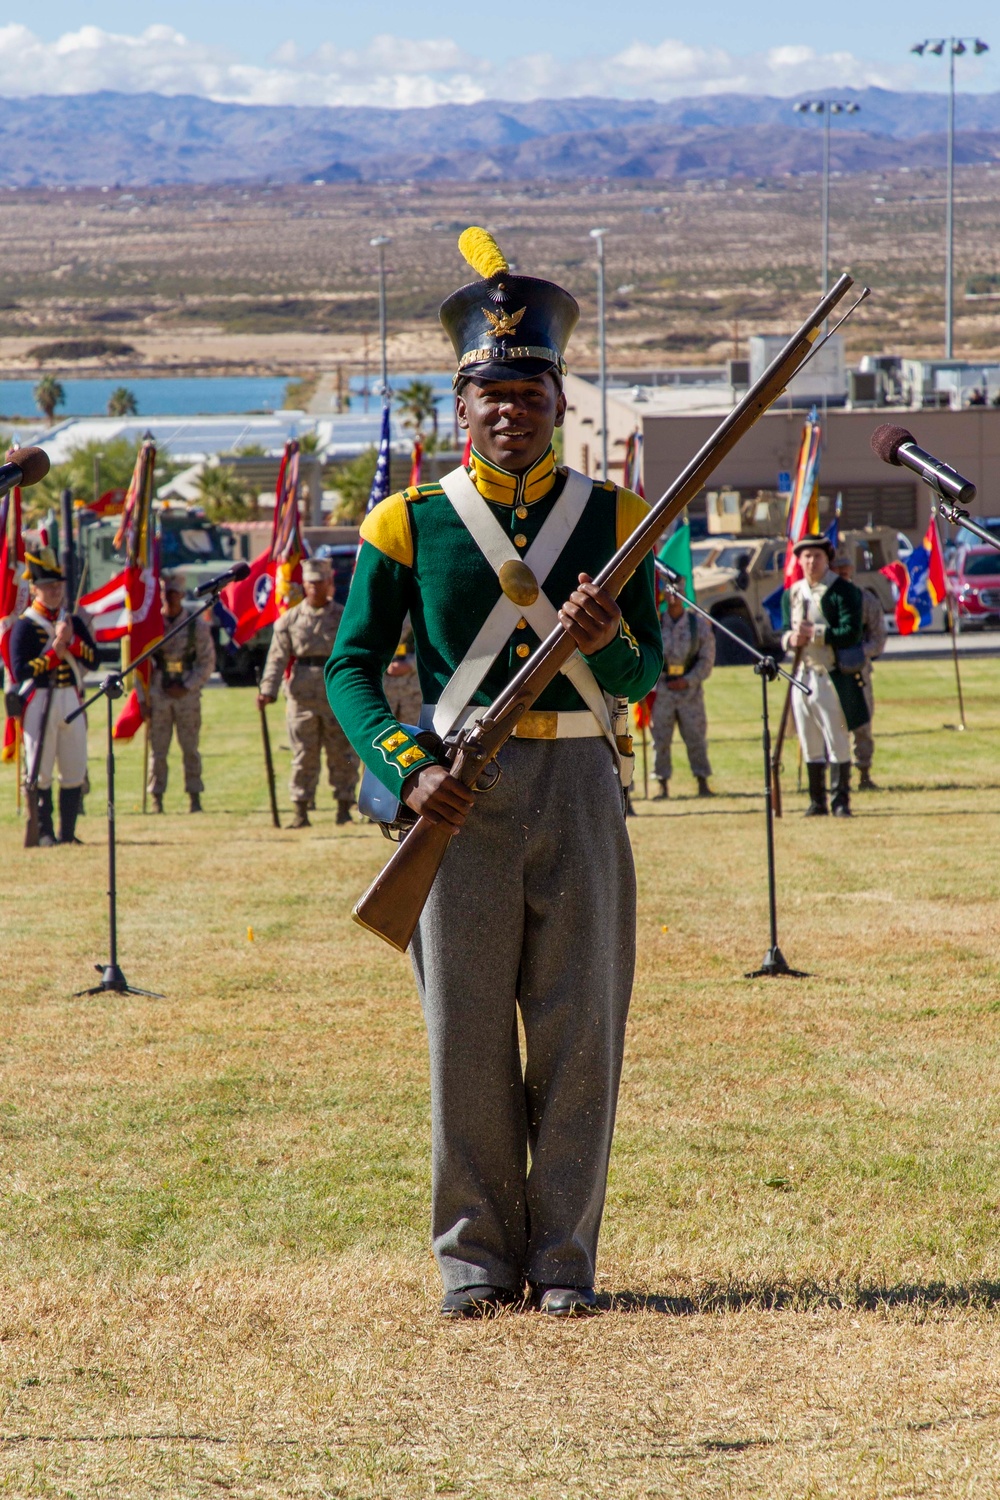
x=65, y=743
x=820, y=719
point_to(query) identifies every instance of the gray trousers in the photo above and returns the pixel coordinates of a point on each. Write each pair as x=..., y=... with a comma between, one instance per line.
x=533, y=909
x=864, y=740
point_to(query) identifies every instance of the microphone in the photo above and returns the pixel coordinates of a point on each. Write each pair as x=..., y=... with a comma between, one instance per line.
x=231, y=575
x=894, y=445
x=24, y=467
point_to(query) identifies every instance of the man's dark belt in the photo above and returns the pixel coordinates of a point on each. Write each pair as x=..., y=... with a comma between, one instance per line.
x=311, y=661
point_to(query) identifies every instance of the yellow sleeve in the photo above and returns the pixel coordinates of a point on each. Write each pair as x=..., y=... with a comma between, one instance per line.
x=387, y=528
x=632, y=509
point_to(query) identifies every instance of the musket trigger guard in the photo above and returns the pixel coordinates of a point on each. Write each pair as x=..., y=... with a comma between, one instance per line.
x=488, y=777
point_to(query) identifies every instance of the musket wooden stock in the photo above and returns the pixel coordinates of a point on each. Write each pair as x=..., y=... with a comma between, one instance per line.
x=779, y=743
x=392, y=904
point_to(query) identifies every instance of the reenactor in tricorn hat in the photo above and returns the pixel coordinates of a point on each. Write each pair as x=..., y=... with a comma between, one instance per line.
x=823, y=614
x=50, y=652
x=534, y=904
x=300, y=648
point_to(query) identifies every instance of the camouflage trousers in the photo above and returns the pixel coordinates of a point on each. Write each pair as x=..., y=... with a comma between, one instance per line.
x=864, y=740
x=687, y=709
x=166, y=715
x=312, y=729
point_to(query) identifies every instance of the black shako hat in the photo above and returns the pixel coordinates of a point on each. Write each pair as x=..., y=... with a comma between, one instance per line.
x=43, y=566
x=506, y=327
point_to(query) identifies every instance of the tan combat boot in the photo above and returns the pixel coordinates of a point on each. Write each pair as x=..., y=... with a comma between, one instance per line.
x=301, y=819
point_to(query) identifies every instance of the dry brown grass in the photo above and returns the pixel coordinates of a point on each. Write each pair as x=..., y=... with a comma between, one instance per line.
x=283, y=278
x=213, y=1262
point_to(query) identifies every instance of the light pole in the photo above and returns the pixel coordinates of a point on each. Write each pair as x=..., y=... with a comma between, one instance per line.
x=597, y=235
x=827, y=108
x=957, y=46
x=379, y=243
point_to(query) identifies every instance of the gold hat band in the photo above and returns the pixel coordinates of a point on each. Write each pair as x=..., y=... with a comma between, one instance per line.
x=522, y=351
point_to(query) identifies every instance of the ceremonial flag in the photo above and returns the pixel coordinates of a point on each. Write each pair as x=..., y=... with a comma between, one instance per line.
x=416, y=462
x=142, y=617
x=380, y=481
x=274, y=583
x=803, y=505
x=919, y=582
x=832, y=532
x=14, y=595
x=633, y=463
x=676, y=553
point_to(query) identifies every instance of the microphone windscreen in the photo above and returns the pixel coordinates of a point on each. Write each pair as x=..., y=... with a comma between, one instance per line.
x=33, y=463
x=887, y=441
x=240, y=570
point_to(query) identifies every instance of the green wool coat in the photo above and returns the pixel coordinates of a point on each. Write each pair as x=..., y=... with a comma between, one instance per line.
x=843, y=610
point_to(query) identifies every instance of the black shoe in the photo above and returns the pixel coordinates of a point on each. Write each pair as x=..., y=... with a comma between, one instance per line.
x=69, y=811
x=865, y=783
x=664, y=792
x=816, y=771
x=565, y=1301
x=840, y=778
x=478, y=1301
x=46, y=832
x=157, y=802
x=343, y=811
x=194, y=802
x=704, y=790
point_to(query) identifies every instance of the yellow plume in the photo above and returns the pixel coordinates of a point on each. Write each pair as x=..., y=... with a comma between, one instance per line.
x=482, y=252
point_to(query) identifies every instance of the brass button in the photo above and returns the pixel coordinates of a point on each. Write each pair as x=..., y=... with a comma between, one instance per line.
x=522, y=624
x=523, y=650
x=521, y=512
x=520, y=540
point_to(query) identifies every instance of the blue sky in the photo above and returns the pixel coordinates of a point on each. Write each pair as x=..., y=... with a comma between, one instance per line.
x=307, y=52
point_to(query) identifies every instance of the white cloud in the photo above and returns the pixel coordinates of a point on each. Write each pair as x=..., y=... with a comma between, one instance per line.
x=397, y=72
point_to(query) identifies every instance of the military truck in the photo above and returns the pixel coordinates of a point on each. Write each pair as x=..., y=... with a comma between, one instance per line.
x=188, y=540
x=734, y=575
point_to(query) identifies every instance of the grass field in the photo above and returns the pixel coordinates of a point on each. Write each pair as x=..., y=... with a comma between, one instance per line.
x=214, y=1273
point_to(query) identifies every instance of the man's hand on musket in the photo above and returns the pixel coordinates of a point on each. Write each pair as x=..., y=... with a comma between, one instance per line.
x=802, y=635
x=62, y=639
x=591, y=616
x=435, y=794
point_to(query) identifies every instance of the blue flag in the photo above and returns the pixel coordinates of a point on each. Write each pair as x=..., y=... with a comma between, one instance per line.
x=380, y=483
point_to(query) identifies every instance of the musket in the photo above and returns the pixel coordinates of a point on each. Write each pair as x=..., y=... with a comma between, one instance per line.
x=392, y=904
x=779, y=741
x=268, y=762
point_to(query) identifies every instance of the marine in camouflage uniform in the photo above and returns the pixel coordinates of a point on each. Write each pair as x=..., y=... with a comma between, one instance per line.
x=401, y=686
x=688, y=659
x=181, y=669
x=873, y=639
x=304, y=637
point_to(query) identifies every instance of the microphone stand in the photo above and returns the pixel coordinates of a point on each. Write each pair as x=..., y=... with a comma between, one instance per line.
x=774, y=964
x=112, y=978
x=951, y=511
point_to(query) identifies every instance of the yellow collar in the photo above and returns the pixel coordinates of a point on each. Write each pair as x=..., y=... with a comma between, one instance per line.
x=503, y=488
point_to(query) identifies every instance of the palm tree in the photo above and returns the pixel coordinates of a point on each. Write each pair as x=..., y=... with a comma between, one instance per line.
x=417, y=403
x=122, y=402
x=48, y=395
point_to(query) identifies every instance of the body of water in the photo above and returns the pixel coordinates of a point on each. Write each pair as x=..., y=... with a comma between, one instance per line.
x=181, y=395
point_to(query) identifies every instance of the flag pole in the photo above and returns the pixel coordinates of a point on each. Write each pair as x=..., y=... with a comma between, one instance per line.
x=953, y=621
x=145, y=763
x=17, y=766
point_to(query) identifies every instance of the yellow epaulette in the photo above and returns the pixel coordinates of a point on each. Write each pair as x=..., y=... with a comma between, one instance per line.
x=387, y=526
x=631, y=510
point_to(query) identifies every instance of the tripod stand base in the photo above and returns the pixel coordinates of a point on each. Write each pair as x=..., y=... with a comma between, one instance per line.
x=114, y=981
x=774, y=966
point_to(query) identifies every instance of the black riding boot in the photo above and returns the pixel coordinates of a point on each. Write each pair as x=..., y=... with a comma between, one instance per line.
x=46, y=832
x=70, y=798
x=817, y=789
x=841, y=780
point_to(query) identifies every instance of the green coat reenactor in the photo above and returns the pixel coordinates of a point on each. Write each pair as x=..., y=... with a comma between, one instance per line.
x=300, y=647
x=533, y=908
x=823, y=614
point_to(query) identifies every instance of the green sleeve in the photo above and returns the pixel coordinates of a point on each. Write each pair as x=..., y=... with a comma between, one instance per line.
x=786, y=610
x=844, y=611
x=369, y=633
x=630, y=666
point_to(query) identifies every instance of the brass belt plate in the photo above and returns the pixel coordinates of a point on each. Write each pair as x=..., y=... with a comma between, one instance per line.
x=518, y=583
x=537, y=724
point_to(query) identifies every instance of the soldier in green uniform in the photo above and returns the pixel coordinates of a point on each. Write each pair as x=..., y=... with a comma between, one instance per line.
x=534, y=905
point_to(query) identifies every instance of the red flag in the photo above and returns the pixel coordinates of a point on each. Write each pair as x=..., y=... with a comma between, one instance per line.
x=274, y=583
x=143, y=619
x=803, y=504
x=467, y=451
x=936, y=580
x=416, y=462
x=907, y=614
x=14, y=594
